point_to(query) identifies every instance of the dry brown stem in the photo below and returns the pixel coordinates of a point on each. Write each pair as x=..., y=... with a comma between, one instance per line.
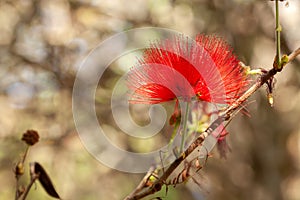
x=143, y=190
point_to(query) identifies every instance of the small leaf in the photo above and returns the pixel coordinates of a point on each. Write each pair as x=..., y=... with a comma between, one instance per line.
x=45, y=180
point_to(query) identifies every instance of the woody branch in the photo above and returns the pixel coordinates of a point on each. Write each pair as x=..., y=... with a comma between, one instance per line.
x=140, y=192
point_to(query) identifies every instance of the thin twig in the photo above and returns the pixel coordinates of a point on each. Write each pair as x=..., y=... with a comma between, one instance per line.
x=184, y=131
x=142, y=184
x=25, y=154
x=294, y=54
x=19, y=170
x=225, y=116
x=278, y=30
x=33, y=177
x=32, y=180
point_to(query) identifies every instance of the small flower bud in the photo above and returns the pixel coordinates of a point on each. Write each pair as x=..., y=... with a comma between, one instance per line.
x=271, y=99
x=19, y=169
x=175, y=118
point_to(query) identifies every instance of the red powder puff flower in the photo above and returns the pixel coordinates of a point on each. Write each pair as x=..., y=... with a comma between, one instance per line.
x=177, y=68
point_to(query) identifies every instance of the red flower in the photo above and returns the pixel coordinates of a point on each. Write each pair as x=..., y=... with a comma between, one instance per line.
x=180, y=69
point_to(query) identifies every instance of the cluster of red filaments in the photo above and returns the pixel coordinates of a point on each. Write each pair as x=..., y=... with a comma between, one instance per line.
x=178, y=69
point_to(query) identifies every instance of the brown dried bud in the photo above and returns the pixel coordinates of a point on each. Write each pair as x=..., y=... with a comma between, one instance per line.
x=175, y=118
x=30, y=137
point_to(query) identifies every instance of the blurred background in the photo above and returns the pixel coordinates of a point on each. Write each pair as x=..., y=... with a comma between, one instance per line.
x=42, y=44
